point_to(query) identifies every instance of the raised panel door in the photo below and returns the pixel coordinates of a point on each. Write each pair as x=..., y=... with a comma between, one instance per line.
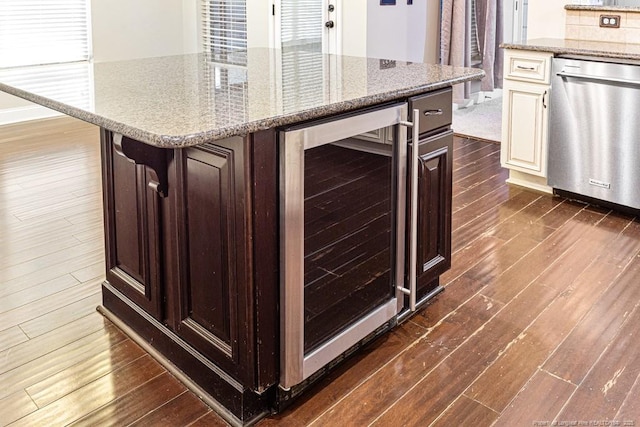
x=434, y=211
x=524, y=128
x=213, y=294
x=133, y=217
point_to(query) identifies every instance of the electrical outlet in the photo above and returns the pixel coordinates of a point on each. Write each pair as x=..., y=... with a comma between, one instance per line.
x=610, y=21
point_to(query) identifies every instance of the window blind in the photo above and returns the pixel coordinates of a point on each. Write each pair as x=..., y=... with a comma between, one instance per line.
x=34, y=32
x=224, y=26
x=69, y=83
x=301, y=27
x=301, y=23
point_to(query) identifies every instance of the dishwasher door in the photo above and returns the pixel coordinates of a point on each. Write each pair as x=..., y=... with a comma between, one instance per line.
x=594, y=136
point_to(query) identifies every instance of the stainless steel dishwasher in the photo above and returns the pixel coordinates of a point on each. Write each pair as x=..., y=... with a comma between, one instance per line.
x=594, y=131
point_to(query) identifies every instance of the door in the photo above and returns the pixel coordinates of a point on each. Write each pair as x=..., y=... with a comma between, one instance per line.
x=524, y=127
x=214, y=301
x=515, y=20
x=133, y=222
x=308, y=24
x=435, y=165
x=342, y=212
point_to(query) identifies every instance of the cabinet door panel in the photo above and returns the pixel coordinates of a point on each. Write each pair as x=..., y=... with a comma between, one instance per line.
x=209, y=271
x=434, y=211
x=213, y=294
x=133, y=224
x=524, y=134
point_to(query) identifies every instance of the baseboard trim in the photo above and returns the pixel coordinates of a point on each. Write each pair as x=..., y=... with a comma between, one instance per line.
x=237, y=404
x=23, y=114
x=532, y=182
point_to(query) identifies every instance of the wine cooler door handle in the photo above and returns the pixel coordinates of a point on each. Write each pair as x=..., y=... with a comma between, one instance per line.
x=414, y=164
x=413, y=223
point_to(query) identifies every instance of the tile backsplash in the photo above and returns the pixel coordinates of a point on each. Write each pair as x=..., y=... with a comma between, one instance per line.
x=584, y=25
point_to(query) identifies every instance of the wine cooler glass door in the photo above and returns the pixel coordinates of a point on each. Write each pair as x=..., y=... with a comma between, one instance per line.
x=342, y=235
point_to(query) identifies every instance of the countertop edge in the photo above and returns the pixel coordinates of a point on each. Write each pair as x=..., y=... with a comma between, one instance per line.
x=602, y=8
x=181, y=141
x=556, y=50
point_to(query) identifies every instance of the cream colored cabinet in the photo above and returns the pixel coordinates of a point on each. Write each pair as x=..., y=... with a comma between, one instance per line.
x=525, y=127
x=524, y=118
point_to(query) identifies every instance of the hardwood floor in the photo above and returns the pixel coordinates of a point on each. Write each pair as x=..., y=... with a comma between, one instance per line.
x=539, y=320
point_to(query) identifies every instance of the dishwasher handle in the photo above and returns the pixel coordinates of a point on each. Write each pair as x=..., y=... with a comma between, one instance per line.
x=599, y=78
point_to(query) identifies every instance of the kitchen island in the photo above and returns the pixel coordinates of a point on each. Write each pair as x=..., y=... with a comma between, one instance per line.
x=226, y=187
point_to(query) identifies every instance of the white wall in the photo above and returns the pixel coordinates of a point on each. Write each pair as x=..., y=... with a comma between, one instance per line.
x=354, y=27
x=546, y=19
x=396, y=32
x=124, y=29
x=259, y=23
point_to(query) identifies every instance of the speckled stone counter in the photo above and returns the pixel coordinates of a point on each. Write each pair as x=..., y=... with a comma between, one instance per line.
x=601, y=49
x=603, y=8
x=187, y=100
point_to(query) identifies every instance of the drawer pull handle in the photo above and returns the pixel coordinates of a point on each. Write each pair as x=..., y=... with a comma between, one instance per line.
x=522, y=67
x=437, y=112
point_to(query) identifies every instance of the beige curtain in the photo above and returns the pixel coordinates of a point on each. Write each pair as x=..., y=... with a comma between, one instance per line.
x=454, y=43
x=490, y=16
x=455, y=40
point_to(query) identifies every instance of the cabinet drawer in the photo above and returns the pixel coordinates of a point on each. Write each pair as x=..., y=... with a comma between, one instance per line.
x=435, y=109
x=527, y=66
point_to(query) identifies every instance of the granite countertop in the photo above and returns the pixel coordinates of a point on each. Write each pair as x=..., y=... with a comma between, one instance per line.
x=601, y=8
x=626, y=51
x=184, y=100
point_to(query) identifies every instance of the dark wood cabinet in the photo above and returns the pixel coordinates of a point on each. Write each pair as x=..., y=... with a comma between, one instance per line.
x=133, y=218
x=191, y=238
x=434, y=210
x=213, y=300
x=193, y=252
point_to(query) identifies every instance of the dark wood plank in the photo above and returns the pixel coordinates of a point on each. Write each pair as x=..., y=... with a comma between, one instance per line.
x=611, y=378
x=466, y=412
x=181, y=411
x=63, y=316
x=433, y=393
x=533, y=278
x=349, y=377
x=56, y=339
x=539, y=401
x=406, y=370
x=210, y=419
x=80, y=374
x=470, y=222
x=630, y=409
x=95, y=394
x=530, y=266
x=38, y=369
x=39, y=307
x=126, y=408
x=579, y=290
x=599, y=327
x=468, y=160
